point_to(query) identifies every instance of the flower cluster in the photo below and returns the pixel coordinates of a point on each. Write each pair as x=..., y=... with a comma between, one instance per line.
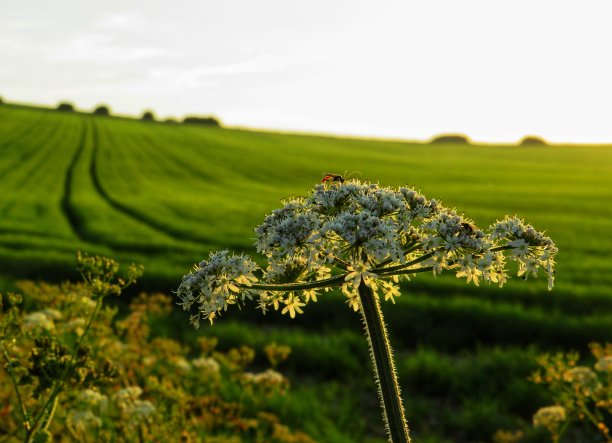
x=581, y=393
x=550, y=417
x=129, y=403
x=216, y=284
x=268, y=381
x=127, y=383
x=352, y=233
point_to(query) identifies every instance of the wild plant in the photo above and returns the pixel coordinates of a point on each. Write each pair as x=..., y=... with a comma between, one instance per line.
x=582, y=394
x=62, y=360
x=75, y=371
x=363, y=239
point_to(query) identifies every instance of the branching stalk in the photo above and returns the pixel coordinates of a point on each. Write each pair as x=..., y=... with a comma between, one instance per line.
x=22, y=407
x=405, y=265
x=60, y=383
x=49, y=417
x=295, y=286
x=410, y=271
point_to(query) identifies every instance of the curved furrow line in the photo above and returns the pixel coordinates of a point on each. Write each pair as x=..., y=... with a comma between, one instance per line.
x=71, y=212
x=32, y=164
x=224, y=171
x=198, y=138
x=67, y=208
x=199, y=145
x=24, y=130
x=32, y=233
x=126, y=210
x=180, y=162
x=29, y=174
x=28, y=146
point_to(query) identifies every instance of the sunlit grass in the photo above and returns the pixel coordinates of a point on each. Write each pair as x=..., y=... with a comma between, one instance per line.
x=165, y=194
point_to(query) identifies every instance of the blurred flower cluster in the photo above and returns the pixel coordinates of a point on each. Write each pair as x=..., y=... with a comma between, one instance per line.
x=127, y=382
x=581, y=393
x=351, y=233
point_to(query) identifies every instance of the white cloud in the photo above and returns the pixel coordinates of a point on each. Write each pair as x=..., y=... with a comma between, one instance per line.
x=214, y=75
x=126, y=21
x=20, y=25
x=102, y=49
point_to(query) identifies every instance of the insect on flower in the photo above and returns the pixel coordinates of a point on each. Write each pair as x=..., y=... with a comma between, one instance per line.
x=470, y=228
x=331, y=177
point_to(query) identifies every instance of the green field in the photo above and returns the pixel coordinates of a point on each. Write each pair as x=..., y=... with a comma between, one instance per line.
x=165, y=194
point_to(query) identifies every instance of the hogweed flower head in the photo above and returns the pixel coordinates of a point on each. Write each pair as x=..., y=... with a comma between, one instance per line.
x=362, y=238
x=352, y=233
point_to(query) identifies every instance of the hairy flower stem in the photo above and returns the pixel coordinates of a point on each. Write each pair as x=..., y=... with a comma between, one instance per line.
x=384, y=368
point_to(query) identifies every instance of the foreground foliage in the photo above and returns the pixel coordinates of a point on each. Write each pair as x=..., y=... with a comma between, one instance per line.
x=582, y=394
x=74, y=371
x=133, y=383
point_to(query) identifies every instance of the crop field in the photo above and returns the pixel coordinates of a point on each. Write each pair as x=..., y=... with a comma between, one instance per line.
x=164, y=195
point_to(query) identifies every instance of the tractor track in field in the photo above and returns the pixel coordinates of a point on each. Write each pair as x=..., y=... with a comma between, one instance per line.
x=67, y=208
x=128, y=211
x=71, y=213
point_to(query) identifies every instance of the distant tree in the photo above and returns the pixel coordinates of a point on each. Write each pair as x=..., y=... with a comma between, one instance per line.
x=171, y=120
x=148, y=116
x=1, y=101
x=533, y=140
x=102, y=110
x=451, y=138
x=200, y=120
x=65, y=107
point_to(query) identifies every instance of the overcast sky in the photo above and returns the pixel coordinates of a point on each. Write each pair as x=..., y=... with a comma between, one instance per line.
x=407, y=69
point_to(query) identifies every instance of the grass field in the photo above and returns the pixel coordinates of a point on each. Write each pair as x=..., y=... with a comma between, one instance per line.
x=165, y=194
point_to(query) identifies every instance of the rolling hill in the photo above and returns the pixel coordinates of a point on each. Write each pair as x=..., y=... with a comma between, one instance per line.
x=165, y=194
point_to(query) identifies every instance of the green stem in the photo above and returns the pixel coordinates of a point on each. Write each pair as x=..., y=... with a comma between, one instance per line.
x=60, y=383
x=562, y=430
x=296, y=286
x=341, y=263
x=384, y=368
x=500, y=248
x=49, y=417
x=328, y=281
x=404, y=265
x=595, y=421
x=409, y=248
x=408, y=271
x=24, y=411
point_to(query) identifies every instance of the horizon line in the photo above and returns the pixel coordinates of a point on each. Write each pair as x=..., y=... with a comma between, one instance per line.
x=312, y=133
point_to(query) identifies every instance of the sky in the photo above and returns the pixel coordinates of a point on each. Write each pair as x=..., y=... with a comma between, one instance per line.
x=493, y=70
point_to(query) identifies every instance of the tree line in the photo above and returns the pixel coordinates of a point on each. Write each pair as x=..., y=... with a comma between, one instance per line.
x=147, y=115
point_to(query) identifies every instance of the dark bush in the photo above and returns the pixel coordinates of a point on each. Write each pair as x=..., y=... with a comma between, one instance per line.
x=148, y=116
x=532, y=140
x=65, y=107
x=451, y=138
x=198, y=120
x=171, y=120
x=102, y=110
x=1, y=101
